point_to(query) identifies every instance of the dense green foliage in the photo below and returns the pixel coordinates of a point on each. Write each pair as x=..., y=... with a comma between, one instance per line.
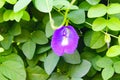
x=25, y=37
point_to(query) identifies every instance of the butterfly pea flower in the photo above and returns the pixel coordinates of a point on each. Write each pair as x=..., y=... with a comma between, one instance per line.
x=64, y=40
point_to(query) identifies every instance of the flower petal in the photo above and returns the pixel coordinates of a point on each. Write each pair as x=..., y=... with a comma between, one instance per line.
x=64, y=40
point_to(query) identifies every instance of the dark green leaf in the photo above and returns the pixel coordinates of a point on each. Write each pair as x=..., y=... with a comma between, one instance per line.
x=36, y=73
x=39, y=37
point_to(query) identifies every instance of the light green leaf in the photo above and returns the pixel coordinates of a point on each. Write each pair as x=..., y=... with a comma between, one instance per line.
x=26, y=16
x=117, y=67
x=13, y=70
x=16, y=15
x=107, y=72
x=113, y=24
x=72, y=58
x=2, y=10
x=113, y=51
x=11, y=1
x=94, y=40
x=80, y=70
x=1, y=38
x=119, y=39
x=39, y=37
x=58, y=76
x=77, y=16
x=6, y=43
x=15, y=30
x=2, y=2
x=99, y=24
x=97, y=11
x=113, y=8
x=104, y=62
x=1, y=49
x=28, y=49
x=36, y=73
x=107, y=38
x=93, y=2
x=20, y=5
x=43, y=5
x=2, y=77
x=76, y=78
x=6, y=15
x=51, y=62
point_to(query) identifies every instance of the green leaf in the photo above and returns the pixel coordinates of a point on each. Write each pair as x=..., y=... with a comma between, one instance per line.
x=43, y=5
x=2, y=2
x=76, y=78
x=117, y=67
x=107, y=72
x=6, y=15
x=84, y=5
x=113, y=51
x=26, y=16
x=77, y=16
x=97, y=11
x=1, y=38
x=28, y=49
x=80, y=70
x=119, y=39
x=114, y=24
x=2, y=10
x=58, y=76
x=43, y=49
x=13, y=70
x=104, y=62
x=1, y=49
x=20, y=5
x=48, y=30
x=39, y=37
x=36, y=73
x=107, y=38
x=51, y=62
x=94, y=40
x=72, y=58
x=93, y=2
x=16, y=15
x=11, y=1
x=99, y=24
x=15, y=30
x=6, y=43
x=23, y=37
x=113, y=8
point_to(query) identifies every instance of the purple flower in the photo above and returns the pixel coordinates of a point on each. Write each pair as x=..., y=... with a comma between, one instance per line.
x=64, y=40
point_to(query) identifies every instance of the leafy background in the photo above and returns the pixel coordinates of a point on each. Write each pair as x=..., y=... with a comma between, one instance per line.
x=25, y=35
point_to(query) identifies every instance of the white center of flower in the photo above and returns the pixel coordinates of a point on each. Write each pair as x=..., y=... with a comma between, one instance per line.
x=65, y=41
